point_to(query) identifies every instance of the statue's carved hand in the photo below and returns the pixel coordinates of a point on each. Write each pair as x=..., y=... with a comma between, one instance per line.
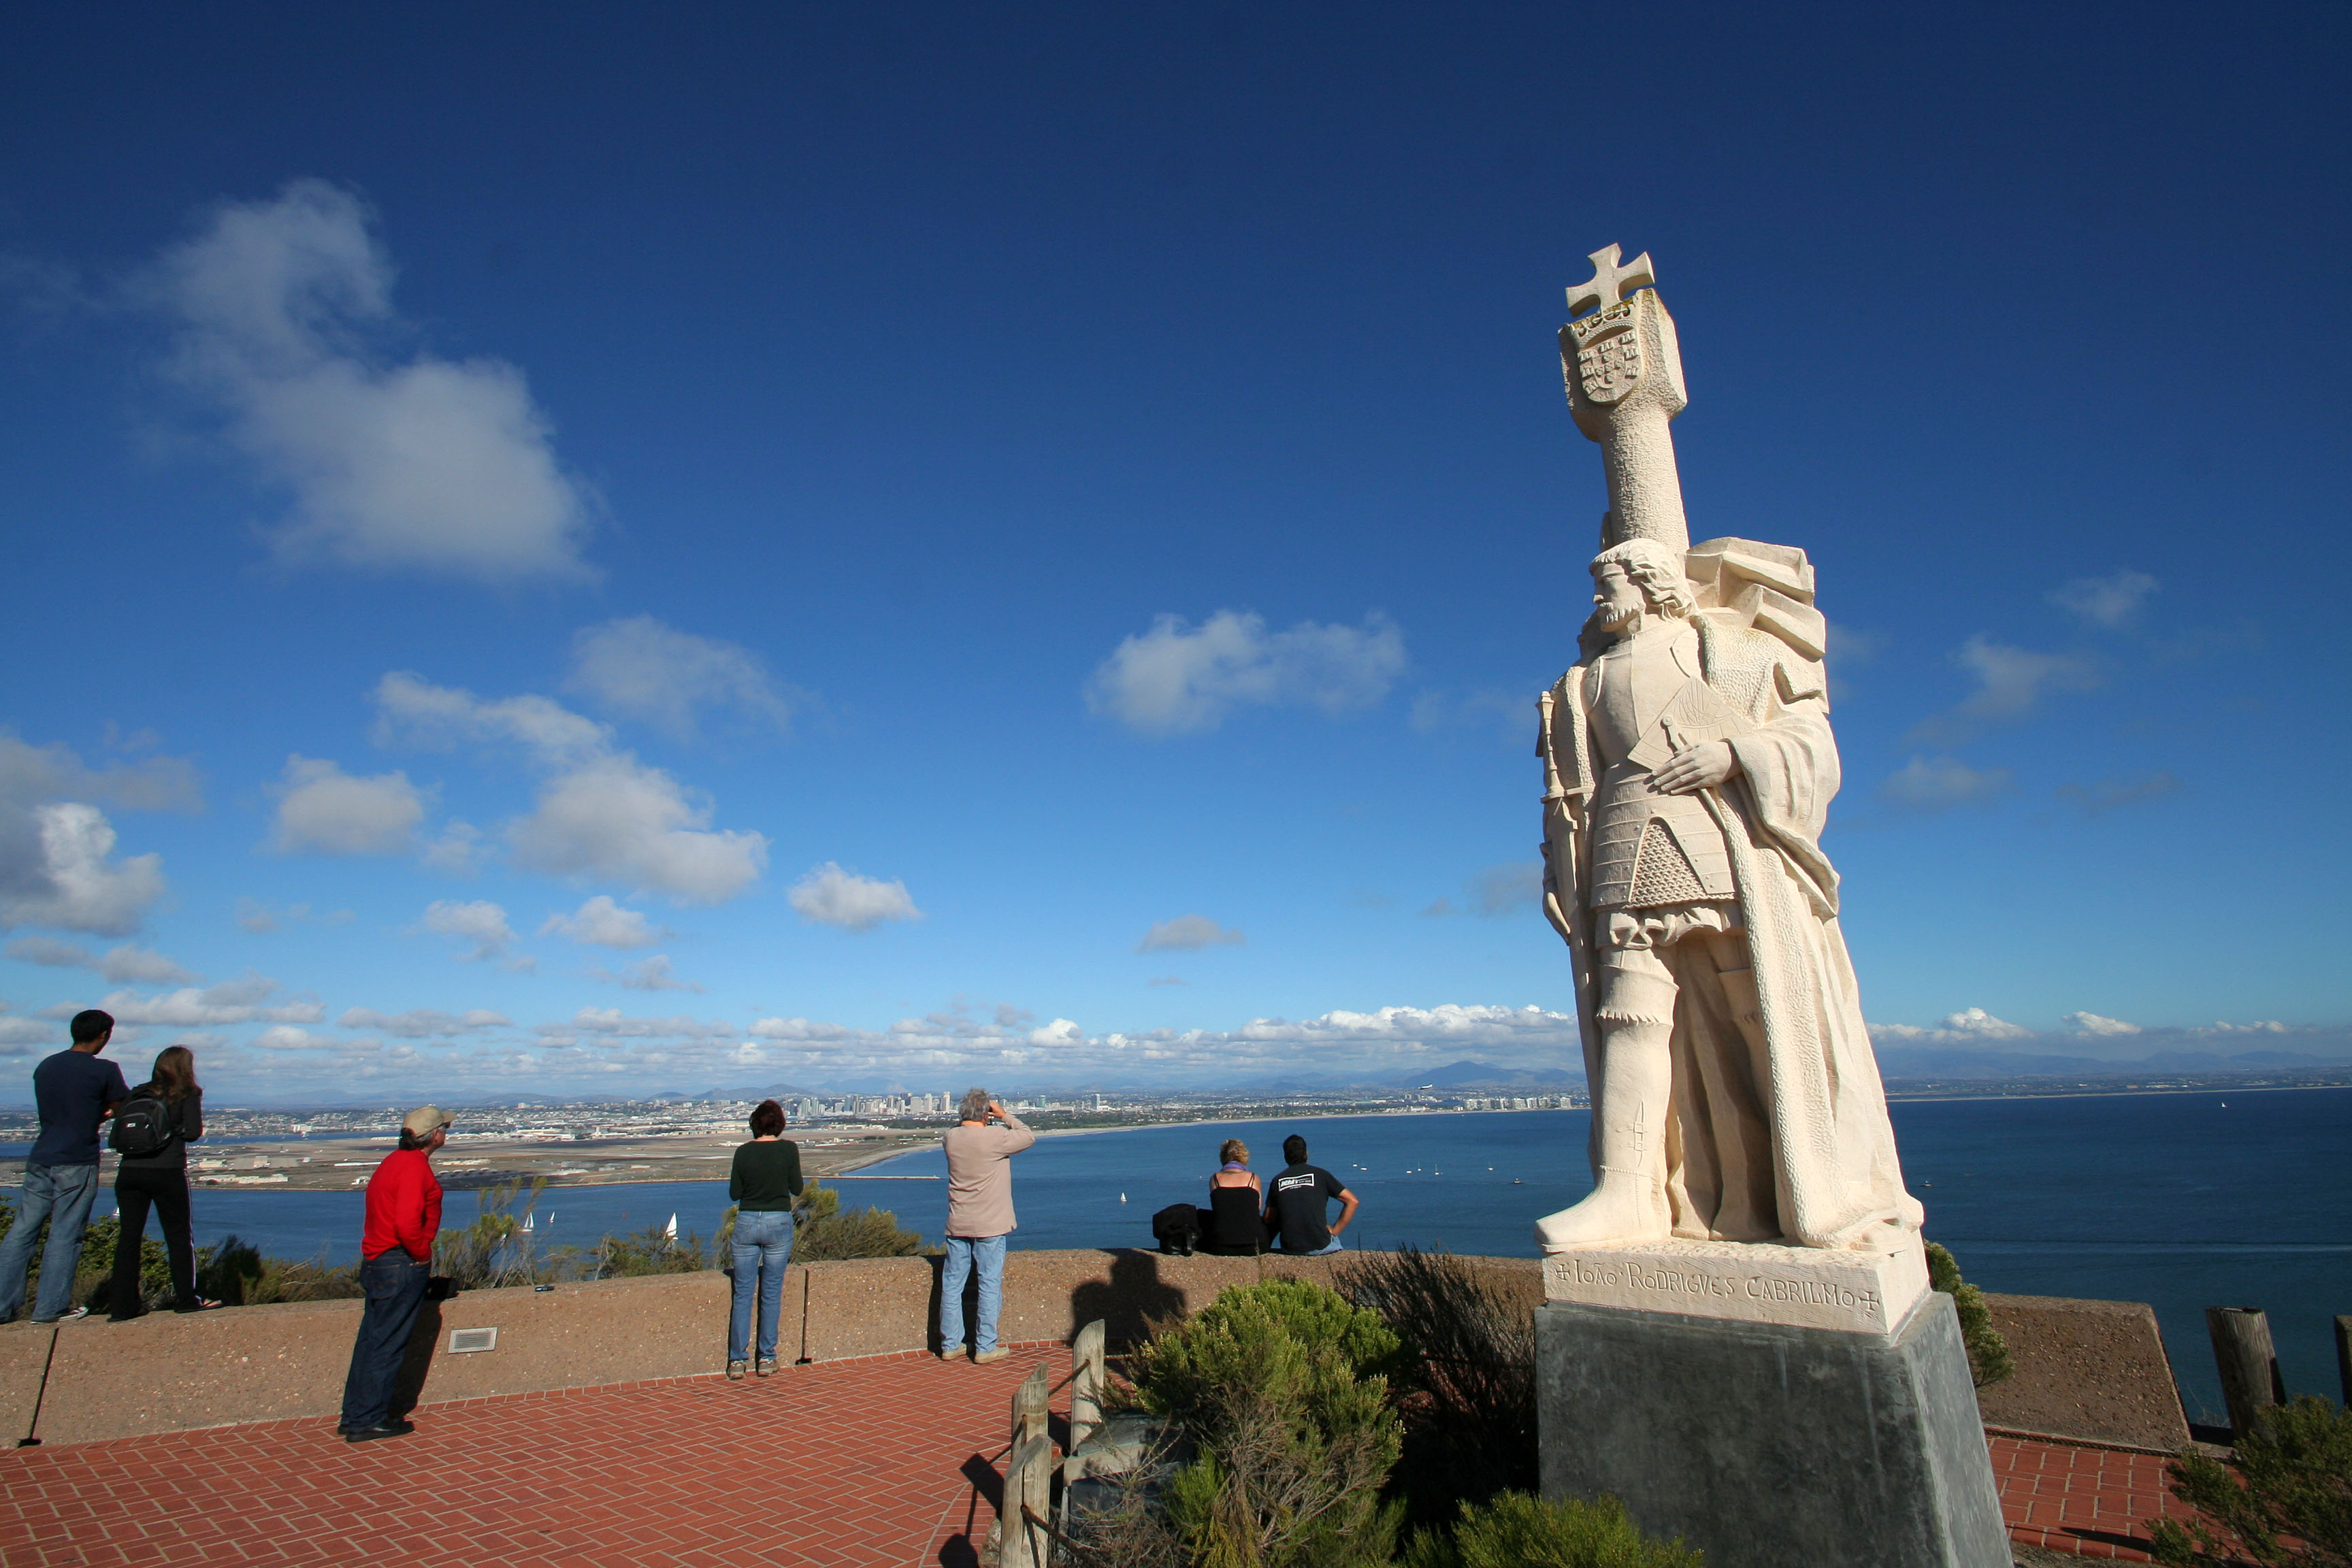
x=1702, y=767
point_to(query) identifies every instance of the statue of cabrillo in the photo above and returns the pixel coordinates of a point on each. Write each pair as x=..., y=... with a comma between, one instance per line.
x=1688, y=769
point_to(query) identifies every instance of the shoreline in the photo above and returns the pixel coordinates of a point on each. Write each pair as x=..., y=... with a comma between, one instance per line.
x=852, y=1171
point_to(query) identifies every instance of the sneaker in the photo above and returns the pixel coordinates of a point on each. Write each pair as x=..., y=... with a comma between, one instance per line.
x=767, y=1367
x=203, y=1304
x=381, y=1429
x=66, y=1318
x=951, y=1353
x=735, y=1368
x=981, y=1358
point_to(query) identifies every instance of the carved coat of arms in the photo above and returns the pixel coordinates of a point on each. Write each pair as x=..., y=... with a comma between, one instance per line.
x=1609, y=354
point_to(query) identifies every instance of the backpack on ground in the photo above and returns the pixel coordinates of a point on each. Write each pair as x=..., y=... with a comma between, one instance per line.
x=142, y=1125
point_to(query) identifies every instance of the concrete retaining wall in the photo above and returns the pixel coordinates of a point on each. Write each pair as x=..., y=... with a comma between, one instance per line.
x=169, y=1373
x=2091, y=1369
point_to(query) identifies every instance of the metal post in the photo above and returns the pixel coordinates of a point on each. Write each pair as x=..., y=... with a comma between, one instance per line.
x=2344, y=1358
x=2249, y=1366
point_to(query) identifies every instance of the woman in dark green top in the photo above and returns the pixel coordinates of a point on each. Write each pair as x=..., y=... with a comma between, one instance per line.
x=764, y=1184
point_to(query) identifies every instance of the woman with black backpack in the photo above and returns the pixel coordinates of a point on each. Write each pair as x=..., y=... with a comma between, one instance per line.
x=153, y=1130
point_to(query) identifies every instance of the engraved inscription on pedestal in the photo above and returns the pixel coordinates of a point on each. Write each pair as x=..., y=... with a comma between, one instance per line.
x=1858, y=1291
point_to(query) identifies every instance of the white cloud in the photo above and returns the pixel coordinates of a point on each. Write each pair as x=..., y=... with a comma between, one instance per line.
x=641, y=668
x=2093, y=1023
x=617, y=818
x=1506, y=888
x=261, y=919
x=55, y=871
x=412, y=711
x=2267, y=1027
x=120, y=965
x=831, y=895
x=284, y=1038
x=420, y=463
x=480, y=923
x=612, y=1021
x=601, y=922
x=1060, y=1032
x=2111, y=600
x=1188, y=933
x=652, y=974
x=1175, y=677
x=601, y=812
x=212, y=1006
x=2010, y=683
x=422, y=1023
x=1940, y=784
x=1967, y=1025
x=326, y=810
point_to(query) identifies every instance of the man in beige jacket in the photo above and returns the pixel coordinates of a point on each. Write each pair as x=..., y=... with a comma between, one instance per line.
x=980, y=1219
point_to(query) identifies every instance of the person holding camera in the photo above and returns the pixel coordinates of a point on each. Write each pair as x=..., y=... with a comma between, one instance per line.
x=404, y=1216
x=980, y=1218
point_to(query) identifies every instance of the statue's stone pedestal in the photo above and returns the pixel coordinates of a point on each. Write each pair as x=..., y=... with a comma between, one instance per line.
x=1766, y=1444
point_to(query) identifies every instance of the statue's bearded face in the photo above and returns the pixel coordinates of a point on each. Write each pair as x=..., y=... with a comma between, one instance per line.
x=1617, y=598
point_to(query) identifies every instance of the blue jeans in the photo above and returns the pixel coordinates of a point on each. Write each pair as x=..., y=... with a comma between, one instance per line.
x=395, y=1283
x=964, y=1253
x=763, y=1246
x=60, y=1195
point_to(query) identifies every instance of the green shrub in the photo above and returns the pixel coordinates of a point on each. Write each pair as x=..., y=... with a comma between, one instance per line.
x=1516, y=1530
x=826, y=1233
x=1280, y=1389
x=1469, y=1371
x=495, y=1250
x=1989, y=1358
x=236, y=1273
x=2289, y=1506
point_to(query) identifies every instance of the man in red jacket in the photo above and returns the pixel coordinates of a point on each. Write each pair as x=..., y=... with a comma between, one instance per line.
x=404, y=1216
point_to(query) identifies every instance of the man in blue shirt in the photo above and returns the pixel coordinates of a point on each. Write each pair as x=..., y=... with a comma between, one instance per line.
x=75, y=1091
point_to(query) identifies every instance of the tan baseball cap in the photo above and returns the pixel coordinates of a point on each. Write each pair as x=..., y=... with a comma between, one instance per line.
x=425, y=1119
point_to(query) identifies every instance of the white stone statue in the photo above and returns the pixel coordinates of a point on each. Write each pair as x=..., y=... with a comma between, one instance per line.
x=1688, y=769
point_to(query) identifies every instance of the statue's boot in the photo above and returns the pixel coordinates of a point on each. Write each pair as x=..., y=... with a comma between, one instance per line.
x=1628, y=1202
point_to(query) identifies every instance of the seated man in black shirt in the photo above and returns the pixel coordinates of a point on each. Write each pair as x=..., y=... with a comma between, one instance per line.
x=1297, y=1200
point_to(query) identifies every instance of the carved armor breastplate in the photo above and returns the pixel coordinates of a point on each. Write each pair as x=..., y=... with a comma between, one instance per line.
x=1652, y=849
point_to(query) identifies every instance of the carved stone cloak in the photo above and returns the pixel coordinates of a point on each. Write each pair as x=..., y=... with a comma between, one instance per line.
x=1816, y=1092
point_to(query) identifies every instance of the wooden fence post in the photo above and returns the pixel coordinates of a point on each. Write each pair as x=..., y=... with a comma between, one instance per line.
x=1029, y=1407
x=2249, y=1366
x=1028, y=1496
x=1087, y=1372
x=2344, y=1358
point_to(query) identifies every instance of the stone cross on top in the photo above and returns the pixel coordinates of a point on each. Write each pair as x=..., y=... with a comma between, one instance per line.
x=1609, y=280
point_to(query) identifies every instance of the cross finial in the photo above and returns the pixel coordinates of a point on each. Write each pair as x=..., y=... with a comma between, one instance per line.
x=1609, y=280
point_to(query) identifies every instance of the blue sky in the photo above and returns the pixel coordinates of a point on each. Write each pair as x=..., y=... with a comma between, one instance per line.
x=580, y=551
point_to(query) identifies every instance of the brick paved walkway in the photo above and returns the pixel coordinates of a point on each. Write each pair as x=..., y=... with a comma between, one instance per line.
x=885, y=1461
x=2091, y=1500
x=869, y=1462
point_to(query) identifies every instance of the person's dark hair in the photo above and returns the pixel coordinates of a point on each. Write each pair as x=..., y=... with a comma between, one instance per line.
x=175, y=1073
x=767, y=1119
x=412, y=1141
x=1293, y=1149
x=90, y=1024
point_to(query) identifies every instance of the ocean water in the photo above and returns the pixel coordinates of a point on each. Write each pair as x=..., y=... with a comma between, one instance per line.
x=2184, y=1201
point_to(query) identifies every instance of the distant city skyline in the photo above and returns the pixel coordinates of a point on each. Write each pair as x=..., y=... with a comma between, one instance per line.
x=550, y=556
